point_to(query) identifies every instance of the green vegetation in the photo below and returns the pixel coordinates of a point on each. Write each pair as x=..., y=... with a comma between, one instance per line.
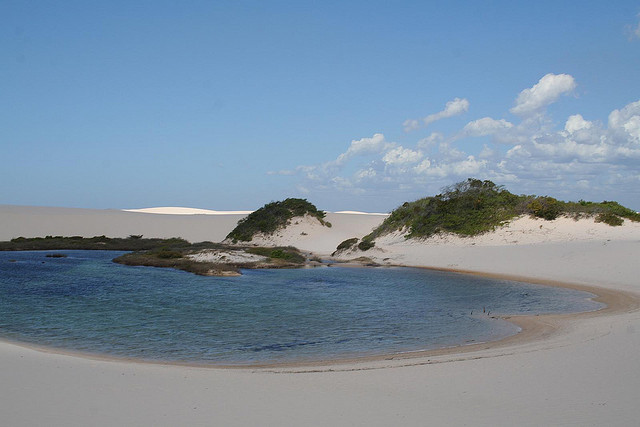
x=132, y=243
x=474, y=207
x=545, y=207
x=609, y=218
x=347, y=244
x=468, y=208
x=272, y=217
x=366, y=244
x=288, y=254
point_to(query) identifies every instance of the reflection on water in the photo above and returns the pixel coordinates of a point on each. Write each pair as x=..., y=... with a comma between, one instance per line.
x=85, y=302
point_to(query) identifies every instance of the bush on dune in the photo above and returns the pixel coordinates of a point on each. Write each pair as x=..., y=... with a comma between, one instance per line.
x=473, y=207
x=274, y=216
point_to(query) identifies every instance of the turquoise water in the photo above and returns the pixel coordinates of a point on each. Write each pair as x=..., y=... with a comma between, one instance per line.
x=87, y=303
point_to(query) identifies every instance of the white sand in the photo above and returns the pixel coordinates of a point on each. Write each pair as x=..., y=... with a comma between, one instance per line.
x=308, y=234
x=173, y=210
x=585, y=374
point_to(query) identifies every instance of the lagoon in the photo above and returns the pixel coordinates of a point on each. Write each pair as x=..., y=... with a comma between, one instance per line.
x=88, y=304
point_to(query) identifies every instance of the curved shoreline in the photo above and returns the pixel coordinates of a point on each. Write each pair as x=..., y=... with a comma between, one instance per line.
x=534, y=329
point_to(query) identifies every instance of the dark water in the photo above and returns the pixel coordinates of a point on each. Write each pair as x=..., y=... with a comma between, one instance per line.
x=85, y=302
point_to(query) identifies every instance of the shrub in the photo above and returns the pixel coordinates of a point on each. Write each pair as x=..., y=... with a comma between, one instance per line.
x=347, y=244
x=365, y=245
x=609, y=218
x=544, y=207
x=467, y=208
x=167, y=254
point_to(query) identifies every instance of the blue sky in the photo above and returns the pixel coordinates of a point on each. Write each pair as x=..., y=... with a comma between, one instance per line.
x=352, y=105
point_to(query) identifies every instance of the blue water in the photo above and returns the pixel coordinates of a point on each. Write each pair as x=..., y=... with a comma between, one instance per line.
x=87, y=303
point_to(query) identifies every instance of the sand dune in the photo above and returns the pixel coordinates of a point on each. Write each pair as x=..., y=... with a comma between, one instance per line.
x=172, y=210
x=584, y=373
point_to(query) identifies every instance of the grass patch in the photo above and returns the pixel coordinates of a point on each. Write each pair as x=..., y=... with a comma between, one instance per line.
x=609, y=218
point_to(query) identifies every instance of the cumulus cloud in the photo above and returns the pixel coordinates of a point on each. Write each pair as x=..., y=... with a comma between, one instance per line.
x=366, y=174
x=485, y=126
x=375, y=144
x=626, y=121
x=402, y=156
x=452, y=108
x=465, y=167
x=577, y=123
x=548, y=89
x=431, y=140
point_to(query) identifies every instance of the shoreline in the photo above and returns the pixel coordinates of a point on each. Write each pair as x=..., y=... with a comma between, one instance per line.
x=533, y=329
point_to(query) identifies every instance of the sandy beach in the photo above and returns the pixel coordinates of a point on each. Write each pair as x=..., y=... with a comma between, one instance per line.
x=563, y=370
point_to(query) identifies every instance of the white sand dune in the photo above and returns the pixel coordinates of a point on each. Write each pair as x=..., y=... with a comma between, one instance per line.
x=584, y=373
x=172, y=210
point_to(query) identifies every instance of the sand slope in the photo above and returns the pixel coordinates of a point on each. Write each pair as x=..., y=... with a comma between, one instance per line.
x=307, y=233
x=586, y=374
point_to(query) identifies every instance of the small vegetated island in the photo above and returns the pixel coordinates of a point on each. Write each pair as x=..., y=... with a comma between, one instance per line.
x=474, y=207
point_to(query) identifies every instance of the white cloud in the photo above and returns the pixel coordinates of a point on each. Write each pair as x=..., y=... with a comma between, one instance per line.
x=485, y=126
x=486, y=152
x=626, y=122
x=375, y=144
x=411, y=124
x=366, y=174
x=423, y=166
x=402, y=156
x=463, y=168
x=430, y=141
x=548, y=89
x=576, y=123
x=452, y=108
